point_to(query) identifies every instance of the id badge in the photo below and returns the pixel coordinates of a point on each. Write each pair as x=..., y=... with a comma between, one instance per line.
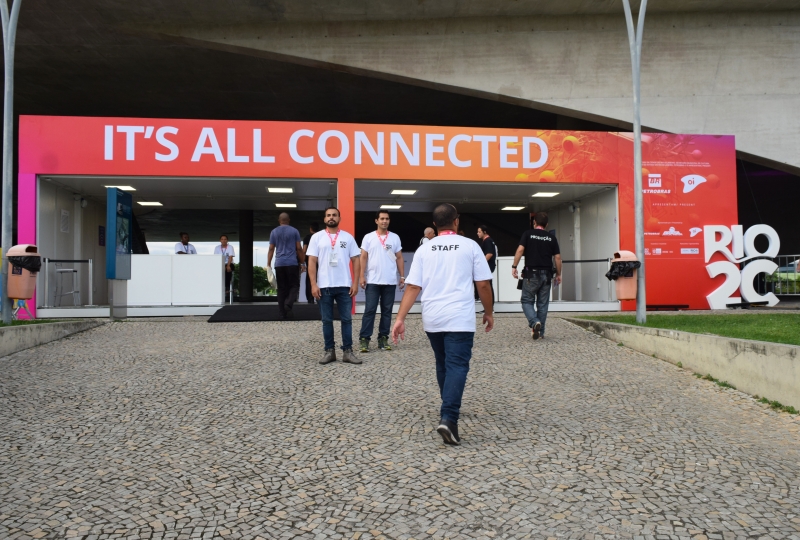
x=333, y=260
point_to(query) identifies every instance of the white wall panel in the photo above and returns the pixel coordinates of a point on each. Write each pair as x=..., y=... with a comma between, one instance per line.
x=197, y=280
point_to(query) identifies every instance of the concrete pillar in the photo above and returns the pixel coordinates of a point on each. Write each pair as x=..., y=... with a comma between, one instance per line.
x=246, y=255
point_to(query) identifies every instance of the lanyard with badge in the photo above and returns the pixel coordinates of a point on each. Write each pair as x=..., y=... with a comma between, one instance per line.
x=386, y=248
x=333, y=259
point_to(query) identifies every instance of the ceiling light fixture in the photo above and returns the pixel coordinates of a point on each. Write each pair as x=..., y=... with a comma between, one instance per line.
x=122, y=188
x=545, y=194
x=285, y=205
x=403, y=191
x=280, y=190
x=152, y=203
x=390, y=206
x=512, y=208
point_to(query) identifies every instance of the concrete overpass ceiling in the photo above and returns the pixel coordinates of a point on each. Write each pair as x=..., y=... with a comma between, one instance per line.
x=706, y=68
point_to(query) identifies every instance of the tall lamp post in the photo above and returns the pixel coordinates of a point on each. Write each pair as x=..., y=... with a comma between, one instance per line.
x=635, y=42
x=9, y=40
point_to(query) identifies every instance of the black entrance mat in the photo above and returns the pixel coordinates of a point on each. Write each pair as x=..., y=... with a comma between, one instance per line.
x=266, y=312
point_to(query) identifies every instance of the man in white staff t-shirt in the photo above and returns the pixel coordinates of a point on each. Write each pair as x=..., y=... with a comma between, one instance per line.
x=444, y=270
x=330, y=252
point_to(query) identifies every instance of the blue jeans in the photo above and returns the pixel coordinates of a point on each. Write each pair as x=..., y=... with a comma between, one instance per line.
x=375, y=293
x=536, y=297
x=340, y=295
x=452, y=351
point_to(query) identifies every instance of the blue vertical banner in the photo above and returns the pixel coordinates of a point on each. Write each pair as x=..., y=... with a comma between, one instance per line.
x=118, y=227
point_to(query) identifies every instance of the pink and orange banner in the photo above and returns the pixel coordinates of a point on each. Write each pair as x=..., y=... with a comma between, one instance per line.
x=689, y=180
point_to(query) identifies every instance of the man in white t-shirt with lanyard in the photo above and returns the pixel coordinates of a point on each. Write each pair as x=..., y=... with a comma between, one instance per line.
x=330, y=253
x=184, y=247
x=444, y=270
x=381, y=260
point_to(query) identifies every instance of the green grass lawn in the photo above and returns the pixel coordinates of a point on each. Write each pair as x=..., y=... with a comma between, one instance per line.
x=777, y=328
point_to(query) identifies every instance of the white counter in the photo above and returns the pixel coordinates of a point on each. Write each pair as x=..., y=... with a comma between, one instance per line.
x=176, y=280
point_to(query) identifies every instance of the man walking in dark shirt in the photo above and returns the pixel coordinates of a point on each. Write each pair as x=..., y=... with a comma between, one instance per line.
x=489, y=251
x=540, y=248
x=285, y=241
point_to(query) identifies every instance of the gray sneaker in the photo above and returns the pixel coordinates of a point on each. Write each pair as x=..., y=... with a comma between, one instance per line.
x=330, y=356
x=350, y=357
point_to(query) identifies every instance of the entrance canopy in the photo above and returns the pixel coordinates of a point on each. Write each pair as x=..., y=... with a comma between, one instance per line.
x=690, y=179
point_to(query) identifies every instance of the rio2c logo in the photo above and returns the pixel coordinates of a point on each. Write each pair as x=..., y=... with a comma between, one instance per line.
x=716, y=239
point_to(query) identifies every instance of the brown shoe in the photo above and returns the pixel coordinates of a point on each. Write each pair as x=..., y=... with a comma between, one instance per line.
x=350, y=357
x=330, y=356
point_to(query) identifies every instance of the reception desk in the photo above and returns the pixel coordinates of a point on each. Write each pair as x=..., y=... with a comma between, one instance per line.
x=176, y=280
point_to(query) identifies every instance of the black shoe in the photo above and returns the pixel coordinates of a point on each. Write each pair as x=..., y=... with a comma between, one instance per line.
x=289, y=314
x=449, y=432
x=536, y=331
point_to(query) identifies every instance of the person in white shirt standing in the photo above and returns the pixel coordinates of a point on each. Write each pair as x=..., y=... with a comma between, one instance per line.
x=184, y=247
x=444, y=271
x=227, y=252
x=330, y=253
x=381, y=260
x=428, y=235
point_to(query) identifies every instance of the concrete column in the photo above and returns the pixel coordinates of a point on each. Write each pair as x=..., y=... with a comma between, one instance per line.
x=246, y=255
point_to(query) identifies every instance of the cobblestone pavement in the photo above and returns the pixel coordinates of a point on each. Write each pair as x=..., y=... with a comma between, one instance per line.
x=195, y=430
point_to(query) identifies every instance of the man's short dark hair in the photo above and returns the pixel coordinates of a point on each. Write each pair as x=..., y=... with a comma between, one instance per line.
x=444, y=215
x=332, y=208
x=180, y=235
x=225, y=235
x=315, y=226
x=540, y=218
x=379, y=212
x=484, y=229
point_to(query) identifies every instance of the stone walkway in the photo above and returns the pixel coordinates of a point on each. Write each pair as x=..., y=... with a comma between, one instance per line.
x=192, y=430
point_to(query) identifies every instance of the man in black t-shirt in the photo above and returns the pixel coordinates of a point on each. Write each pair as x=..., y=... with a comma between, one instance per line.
x=540, y=248
x=313, y=229
x=489, y=251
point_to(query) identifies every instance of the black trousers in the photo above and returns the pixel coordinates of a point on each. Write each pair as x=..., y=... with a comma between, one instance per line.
x=228, y=278
x=309, y=297
x=477, y=297
x=288, y=278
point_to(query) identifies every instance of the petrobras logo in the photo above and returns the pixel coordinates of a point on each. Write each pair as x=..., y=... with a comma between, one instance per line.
x=654, y=185
x=672, y=232
x=690, y=251
x=691, y=181
x=738, y=246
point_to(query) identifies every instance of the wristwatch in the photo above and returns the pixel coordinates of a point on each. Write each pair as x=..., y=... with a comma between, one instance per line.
x=514, y=267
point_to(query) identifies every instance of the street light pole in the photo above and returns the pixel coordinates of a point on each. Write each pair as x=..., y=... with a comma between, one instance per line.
x=9, y=41
x=635, y=42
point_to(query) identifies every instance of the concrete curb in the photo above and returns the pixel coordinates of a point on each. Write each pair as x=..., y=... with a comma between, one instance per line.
x=19, y=338
x=770, y=370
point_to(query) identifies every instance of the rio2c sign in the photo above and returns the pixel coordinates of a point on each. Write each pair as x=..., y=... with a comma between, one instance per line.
x=717, y=239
